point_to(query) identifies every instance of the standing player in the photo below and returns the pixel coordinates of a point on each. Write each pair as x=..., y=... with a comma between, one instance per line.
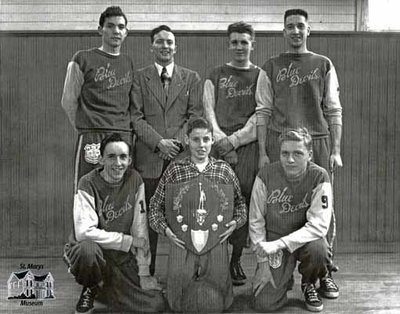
x=304, y=90
x=230, y=101
x=96, y=92
x=290, y=212
x=166, y=96
x=198, y=282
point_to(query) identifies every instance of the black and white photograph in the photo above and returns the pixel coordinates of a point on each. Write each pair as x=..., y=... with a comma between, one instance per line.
x=215, y=156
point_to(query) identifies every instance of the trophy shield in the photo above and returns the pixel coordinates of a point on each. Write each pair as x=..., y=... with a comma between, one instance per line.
x=197, y=211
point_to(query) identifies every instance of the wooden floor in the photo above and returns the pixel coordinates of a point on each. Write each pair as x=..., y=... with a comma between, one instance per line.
x=369, y=283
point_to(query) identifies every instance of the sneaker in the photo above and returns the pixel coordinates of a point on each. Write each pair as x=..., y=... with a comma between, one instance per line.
x=328, y=288
x=237, y=273
x=311, y=298
x=85, y=303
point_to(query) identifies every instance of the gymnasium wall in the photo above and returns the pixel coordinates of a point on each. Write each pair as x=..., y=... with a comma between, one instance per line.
x=37, y=141
x=266, y=15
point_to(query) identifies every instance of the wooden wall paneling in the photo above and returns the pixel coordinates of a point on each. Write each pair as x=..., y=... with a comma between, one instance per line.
x=371, y=149
x=396, y=184
x=392, y=74
x=354, y=112
x=363, y=193
x=37, y=199
x=347, y=177
x=382, y=136
x=182, y=15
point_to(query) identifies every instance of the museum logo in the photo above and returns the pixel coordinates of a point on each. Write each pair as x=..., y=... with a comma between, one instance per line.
x=30, y=288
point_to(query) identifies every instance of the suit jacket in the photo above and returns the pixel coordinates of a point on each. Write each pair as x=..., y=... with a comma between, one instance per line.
x=156, y=116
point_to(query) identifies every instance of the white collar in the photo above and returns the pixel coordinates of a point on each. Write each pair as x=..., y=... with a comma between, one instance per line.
x=169, y=67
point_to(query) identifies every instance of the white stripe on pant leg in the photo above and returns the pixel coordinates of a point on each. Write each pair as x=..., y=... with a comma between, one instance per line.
x=77, y=159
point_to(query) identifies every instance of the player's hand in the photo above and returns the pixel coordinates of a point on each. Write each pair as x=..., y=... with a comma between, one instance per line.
x=168, y=148
x=262, y=276
x=262, y=161
x=218, y=135
x=335, y=160
x=265, y=248
x=140, y=242
x=231, y=227
x=149, y=283
x=223, y=146
x=173, y=238
x=232, y=158
x=163, y=156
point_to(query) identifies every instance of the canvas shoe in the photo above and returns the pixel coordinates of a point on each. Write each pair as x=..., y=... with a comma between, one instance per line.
x=328, y=288
x=311, y=298
x=85, y=303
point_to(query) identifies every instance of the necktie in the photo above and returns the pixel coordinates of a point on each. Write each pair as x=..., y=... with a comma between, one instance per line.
x=165, y=79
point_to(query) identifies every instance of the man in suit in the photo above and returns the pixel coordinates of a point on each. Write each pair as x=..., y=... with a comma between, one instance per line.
x=165, y=97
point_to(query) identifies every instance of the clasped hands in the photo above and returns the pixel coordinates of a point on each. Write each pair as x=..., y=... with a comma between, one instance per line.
x=169, y=148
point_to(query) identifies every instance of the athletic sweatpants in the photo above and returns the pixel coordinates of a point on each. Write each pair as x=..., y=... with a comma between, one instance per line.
x=117, y=273
x=246, y=170
x=199, y=283
x=87, y=151
x=314, y=260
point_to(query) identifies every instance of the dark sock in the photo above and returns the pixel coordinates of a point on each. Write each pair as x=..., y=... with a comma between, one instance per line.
x=236, y=253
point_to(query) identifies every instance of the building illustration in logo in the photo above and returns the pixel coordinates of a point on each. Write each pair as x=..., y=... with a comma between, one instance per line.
x=26, y=285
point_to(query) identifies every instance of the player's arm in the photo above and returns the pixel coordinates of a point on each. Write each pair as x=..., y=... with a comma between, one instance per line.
x=74, y=80
x=257, y=234
x=86, y=225
x=318, y=218
x=209, y=109
x=332, y=110
x=264, y=100
x=257, y=213
x=245, y=135
x=140, y=246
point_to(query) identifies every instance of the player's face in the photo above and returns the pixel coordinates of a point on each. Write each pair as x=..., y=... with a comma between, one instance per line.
x=294, y=158
x=296, y=31
x=164, y=47
x=240, y=46
x=113, y=32
x=200, y=142
x=115, y=161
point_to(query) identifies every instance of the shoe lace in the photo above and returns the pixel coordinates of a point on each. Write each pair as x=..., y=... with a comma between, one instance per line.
x=311, y=294
x=87, y=298
x=329, y=283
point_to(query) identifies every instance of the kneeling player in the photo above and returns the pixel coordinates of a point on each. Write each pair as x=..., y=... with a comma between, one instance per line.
x=290, y=212
x=109, y=250
x=197, y=205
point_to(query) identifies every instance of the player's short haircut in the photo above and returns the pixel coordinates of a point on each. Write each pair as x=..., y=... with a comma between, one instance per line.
x=241, y=28
x=113, y=137
x=198, y=123
x=295, y=12
x=110, y=12
x=158, y=29
x=297, y=135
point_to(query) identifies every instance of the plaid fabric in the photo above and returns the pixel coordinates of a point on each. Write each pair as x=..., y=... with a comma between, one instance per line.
x=184, y=170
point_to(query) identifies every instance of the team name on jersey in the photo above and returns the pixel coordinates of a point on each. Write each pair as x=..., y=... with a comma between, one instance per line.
x=281, y=197
x=231, y=86
x=110, y=76
x=109, y=213
x=292, y=73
